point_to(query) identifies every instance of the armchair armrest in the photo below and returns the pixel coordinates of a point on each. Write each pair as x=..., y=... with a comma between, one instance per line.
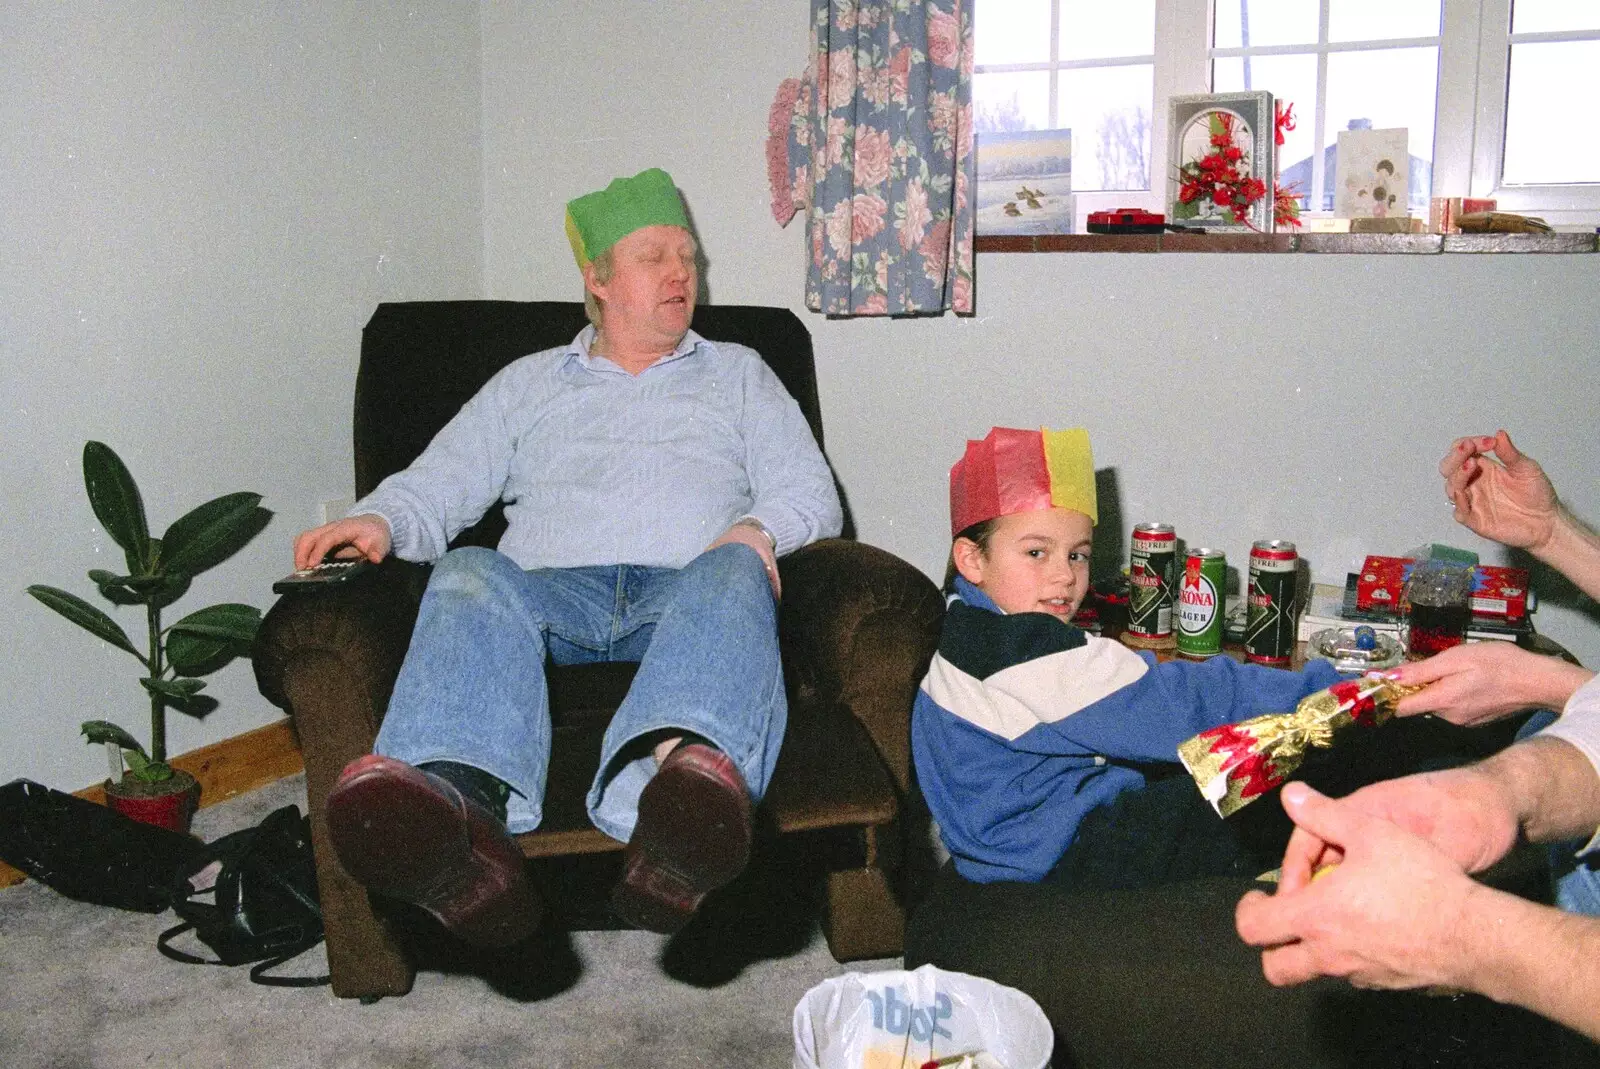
x=360, y=628
x=858, y=626
x=330, y=658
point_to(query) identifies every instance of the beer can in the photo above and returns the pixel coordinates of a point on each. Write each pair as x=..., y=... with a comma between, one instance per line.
x=1151, y=572
x=1201, y=594
x=1269, y=631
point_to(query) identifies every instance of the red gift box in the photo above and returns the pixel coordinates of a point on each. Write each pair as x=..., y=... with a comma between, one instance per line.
x=1497, y=593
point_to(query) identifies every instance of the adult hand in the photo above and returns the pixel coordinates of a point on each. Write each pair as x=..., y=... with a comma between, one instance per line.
x=1499, y=492
x=354, y=536
x=1463, y=813
x=747, y=535
x=1394, y=913
x=1478, y=682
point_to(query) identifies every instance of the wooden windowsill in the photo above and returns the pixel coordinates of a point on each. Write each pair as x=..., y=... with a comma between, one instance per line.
x=1411, y=244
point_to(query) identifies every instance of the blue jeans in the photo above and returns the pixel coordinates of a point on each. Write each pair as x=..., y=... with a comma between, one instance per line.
x=1576, y=880
x=472, y=688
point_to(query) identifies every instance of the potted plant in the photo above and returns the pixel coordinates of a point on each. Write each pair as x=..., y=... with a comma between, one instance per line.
x=159, y=573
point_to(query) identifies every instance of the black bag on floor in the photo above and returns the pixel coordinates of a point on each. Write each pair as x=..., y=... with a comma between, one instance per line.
x=262, y=889
x=88, y=852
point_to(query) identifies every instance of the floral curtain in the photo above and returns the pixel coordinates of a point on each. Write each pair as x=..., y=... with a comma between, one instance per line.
x=874, y=145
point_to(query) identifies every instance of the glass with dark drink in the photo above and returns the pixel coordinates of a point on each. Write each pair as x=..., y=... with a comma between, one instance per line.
x=1436, y=627
x=1440, y=596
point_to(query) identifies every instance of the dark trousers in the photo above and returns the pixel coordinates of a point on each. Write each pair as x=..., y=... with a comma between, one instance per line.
x=1167, y=833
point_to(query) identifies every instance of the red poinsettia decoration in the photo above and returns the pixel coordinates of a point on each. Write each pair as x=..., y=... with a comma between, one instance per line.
x=1285, y=202
x=1223, y=176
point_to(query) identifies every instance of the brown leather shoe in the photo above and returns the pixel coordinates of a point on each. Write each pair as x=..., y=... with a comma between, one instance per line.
x=404, y=833
x=692, y=837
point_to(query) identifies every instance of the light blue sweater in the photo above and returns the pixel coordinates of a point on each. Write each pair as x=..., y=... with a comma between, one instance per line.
x=597, y=466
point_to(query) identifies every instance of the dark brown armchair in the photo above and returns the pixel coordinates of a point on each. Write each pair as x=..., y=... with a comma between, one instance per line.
x=857, y=627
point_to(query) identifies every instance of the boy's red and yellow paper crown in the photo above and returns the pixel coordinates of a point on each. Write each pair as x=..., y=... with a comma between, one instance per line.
x=1014, y=470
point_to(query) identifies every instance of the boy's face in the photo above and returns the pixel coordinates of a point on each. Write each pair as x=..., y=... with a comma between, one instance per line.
x=1036, y=561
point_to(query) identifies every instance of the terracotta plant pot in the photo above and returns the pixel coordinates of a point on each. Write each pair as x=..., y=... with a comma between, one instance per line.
x=168, y=804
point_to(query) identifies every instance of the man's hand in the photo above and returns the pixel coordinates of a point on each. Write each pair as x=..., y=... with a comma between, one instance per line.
x=1466, y=815
x=365, y=536
x=1394, y=913
x=1505, y=496
x=748, y=535
x=1478, y=682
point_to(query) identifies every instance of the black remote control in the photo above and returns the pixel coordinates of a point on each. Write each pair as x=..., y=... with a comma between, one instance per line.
x=330, y=571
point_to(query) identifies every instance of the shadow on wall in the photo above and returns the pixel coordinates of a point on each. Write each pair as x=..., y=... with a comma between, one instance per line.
x=702, y=262
x=1553, y=587
x=1110, y=553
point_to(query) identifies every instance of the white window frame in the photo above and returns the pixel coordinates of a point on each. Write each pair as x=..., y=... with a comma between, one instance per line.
x=1469, y=118
x=1096, y=200
x=1322, y=48
x=1484, y=91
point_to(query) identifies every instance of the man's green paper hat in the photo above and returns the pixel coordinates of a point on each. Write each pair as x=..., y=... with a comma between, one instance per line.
x=596, y=221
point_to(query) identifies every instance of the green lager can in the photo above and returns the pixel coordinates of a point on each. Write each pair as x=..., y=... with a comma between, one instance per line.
x=1199, y=610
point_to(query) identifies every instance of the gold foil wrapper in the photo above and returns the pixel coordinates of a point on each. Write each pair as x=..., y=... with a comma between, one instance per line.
x=1235, y=764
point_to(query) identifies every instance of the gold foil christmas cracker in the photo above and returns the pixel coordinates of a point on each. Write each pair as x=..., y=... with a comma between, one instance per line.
x=1235, y=764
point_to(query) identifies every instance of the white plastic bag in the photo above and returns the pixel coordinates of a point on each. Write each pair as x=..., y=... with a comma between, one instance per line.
x=903, y=1020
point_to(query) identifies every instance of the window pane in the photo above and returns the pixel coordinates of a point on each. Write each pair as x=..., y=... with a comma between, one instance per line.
x=1548, y=138
x=1545, y=16
x=1009, y=102
x=1108, y=111
x=1292, y=80
x=1241, y=23
x=1227, y=74
x=1092, y=29
x=1379, y=90
x=1370, y=20
x=1011, y=31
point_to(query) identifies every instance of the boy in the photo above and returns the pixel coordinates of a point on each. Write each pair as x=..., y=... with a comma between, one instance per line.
x=1025, y=724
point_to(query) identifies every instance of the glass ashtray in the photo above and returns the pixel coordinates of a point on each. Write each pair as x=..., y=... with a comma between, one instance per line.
x=1356, y=649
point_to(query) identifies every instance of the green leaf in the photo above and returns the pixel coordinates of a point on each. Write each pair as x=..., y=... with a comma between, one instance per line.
x=141, y=767
x=117, y=589
x=204, y=641
x=174, y=690
x=183, y=694
x=212, y=533
x=85, y=616
x=114, y=496
x=142, y=585
x=169, y=589
x=194, y=655
x=104, y=731
x=230, y=621
x=199, y=706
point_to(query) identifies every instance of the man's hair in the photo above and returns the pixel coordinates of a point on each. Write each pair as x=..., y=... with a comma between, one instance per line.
x=603, y=266
x=981, y=533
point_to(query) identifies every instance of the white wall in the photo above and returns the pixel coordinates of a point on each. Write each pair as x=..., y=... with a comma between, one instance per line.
x=1293, y=396
x=200, y=204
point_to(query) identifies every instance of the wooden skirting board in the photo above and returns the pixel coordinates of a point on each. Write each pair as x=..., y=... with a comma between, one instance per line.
x=225, y=769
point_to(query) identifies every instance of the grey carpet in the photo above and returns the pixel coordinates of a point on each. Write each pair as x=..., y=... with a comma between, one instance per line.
x=83, y=986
